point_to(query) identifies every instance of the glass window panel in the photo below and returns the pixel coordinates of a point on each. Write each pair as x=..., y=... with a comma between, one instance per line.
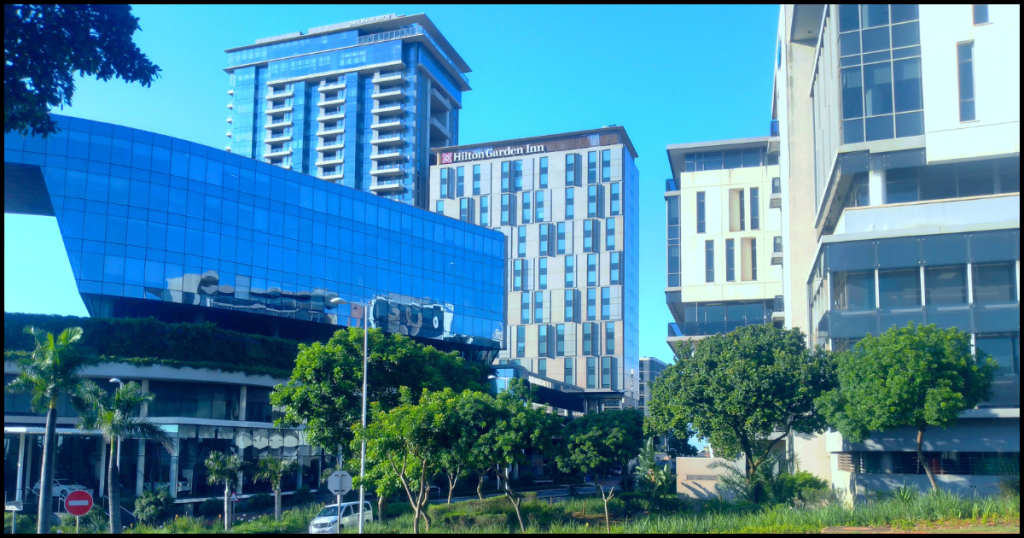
x=853, y=105
x=853, y=131
x=849, y=44
x=876, y=39
x=909, y=124
x=733, y=159
x=899, y=288
x=905, y=35
x=976, y=178
x=874, y=15
x=879, y=128
x=854, y=291
x=849, y=17
x=1002, y=349
x=995, y=283
x=877, y=90
x=945, y=285
x=939, y=182
x=713, y=160
x=907, y=84
x=980, y=12
x=904, y=12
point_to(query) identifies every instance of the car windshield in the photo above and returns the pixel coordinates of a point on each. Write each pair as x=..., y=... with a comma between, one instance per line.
x=329, y=511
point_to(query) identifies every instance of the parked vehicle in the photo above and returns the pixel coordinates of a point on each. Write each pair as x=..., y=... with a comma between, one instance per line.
x=326, y=522
x=434, y=492
x=61, y=487
x=183, y=486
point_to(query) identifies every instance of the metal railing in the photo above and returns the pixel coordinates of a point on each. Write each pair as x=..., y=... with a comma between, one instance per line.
x=386, y=153
x=382, y=167
x=388, y=137
x=410, y=31
x=328, y=114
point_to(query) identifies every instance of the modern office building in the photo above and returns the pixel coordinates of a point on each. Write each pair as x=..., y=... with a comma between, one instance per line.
x=724, y=237
x=160, y=227
x=650, y=369
x=900, y=189
x=568, y=204
x=360, y=103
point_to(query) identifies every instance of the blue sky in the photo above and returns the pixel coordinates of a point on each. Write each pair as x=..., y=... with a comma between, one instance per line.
x=669, y=74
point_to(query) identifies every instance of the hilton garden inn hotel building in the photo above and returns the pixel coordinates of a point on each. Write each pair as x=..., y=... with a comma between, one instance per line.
x=568, y=205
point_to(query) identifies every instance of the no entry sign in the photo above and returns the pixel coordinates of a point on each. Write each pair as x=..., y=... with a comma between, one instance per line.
x=78, y=503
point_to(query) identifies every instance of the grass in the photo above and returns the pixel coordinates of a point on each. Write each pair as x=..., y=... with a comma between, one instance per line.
x=933, y=513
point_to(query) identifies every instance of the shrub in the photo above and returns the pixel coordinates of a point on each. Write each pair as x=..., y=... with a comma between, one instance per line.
x=211, y=507
x=154, y=508
x=1010, y=485
x=303, y=495
x=260, y=502
x=906, y=494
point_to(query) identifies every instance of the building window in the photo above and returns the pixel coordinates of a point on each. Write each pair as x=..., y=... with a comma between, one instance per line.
x=524, y=307
x=570, y=201
x=545, y=239
x=609, y=236
x=560, y=340
x=742, y=212
x=542, y=274
x=543, y=172
x=606, y=303
x=439, y=207
x=709, y=261
x=561, y=238
x=460, y=182
x=854, y=291
x=517, y=275
x=995, y=283
x=466, y=210
x=542, y=341
x=606, y=372
x=616, y=203
x=476, y=180
x=527, y=211
x=717, y=160
x=504, y=176
x=700, y=212
x=1004, y=349
x=570, y=306
x=591, y=338
x=538, y=307
x=570, y=376
x=539, y=203
x=591, y=372
x=542, y=365
x=570, y=271
x=753, y=259
x=522, y=241
x=673, y=266
x=945, y=285
x=606, y=165
x=506, y=209
x=899, y=288
x=592, y=201
x=591, y=236
x=755, y=208
x=609, y=338
x=980, y=14
x=520, y=342
x=591, y=269
x=591, y=304
x=730, y=261
x=570, y=169
x=880, y=72
x=615, y=263
x=965, y=64
x=591, y=167
x=517, y=175
x=444, y=183
x=484, y=214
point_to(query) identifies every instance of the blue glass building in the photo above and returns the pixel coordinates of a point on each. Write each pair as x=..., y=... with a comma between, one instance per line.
x=159, y=226
x=357, y=103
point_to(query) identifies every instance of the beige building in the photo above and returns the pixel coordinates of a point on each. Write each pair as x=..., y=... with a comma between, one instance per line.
x=724, y=237
x=568, y=204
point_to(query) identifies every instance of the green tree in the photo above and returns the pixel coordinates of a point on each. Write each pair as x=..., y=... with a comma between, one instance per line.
x=45, y=44
x=117, y=417
x=918, y=376
x=472, y=414
x=656, y=480
x=273, y=470
x=153, y=507
x=743, y=391
x=221, y=469
x=324, y=390
x=50, y=373
x=599, y=441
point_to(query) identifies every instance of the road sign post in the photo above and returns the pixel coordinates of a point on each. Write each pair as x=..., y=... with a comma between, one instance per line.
x=339, y=484
x=14, y=508
x=78, y=503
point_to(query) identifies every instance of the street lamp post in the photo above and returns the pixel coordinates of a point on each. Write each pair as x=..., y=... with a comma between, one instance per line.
x=362, y=457
x=120, y=384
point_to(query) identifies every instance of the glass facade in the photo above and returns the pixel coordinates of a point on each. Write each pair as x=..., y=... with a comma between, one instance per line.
x=149, y=220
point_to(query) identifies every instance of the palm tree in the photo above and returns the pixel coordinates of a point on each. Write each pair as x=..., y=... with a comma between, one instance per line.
x=117, y=417
x=223, y=469
x=273, y=470
x=51, y=372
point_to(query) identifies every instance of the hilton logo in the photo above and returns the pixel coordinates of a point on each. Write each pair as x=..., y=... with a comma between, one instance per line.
x=490, y=153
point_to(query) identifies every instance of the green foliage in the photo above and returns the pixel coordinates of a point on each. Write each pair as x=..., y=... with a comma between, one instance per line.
x=601, y=440
x=324, y=389
x=303, y=495
x=211, y=507
x=773, y=483
x=738, y=389
x=146, y=342
x=154, y=508
x=654, y=480
x=45, y=44
x=905, y=494
x=914, y=376
x=259, y=502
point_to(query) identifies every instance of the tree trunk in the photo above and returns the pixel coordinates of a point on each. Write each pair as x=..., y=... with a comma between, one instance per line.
x=451, y=486
x=607, y=519
x=415, y=520
x=515, y=503
x=480, y=486
x=277, y=503
x=227, y=505
x=114, y=490
x=45, y=512
x=920, y=458
x=382, y=506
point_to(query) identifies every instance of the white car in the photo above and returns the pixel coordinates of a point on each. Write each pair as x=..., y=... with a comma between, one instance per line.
x=61, y=487
x=326, y=522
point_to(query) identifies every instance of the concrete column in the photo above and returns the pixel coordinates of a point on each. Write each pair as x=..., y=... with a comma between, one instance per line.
x=243, y=396
x=175, y=445
x=876, y=187
x=923, y=292
x=241, y=482
x=30, y=446
x=19, y=495
x=970, y=284
x=140, y=469
x=144, y=412
x=878, y=296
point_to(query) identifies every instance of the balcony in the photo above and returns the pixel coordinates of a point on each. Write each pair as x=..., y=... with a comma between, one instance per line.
x=330, y=161
x=273, y=96
x=330, y=131
x=386, y=140
x=777, y=250
x=387, y=186
x=776, y=199
x=328, y=116
x=389, y=78
x=386, y=155
x=278, y=139
x=325, y=87
x=388, y=170
x=389, y=109
x=273, y=111
x=331, y=102
x=331, y=146
x=388, y=93
x=277, y=153
x=281, y=122
x=387, y=125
